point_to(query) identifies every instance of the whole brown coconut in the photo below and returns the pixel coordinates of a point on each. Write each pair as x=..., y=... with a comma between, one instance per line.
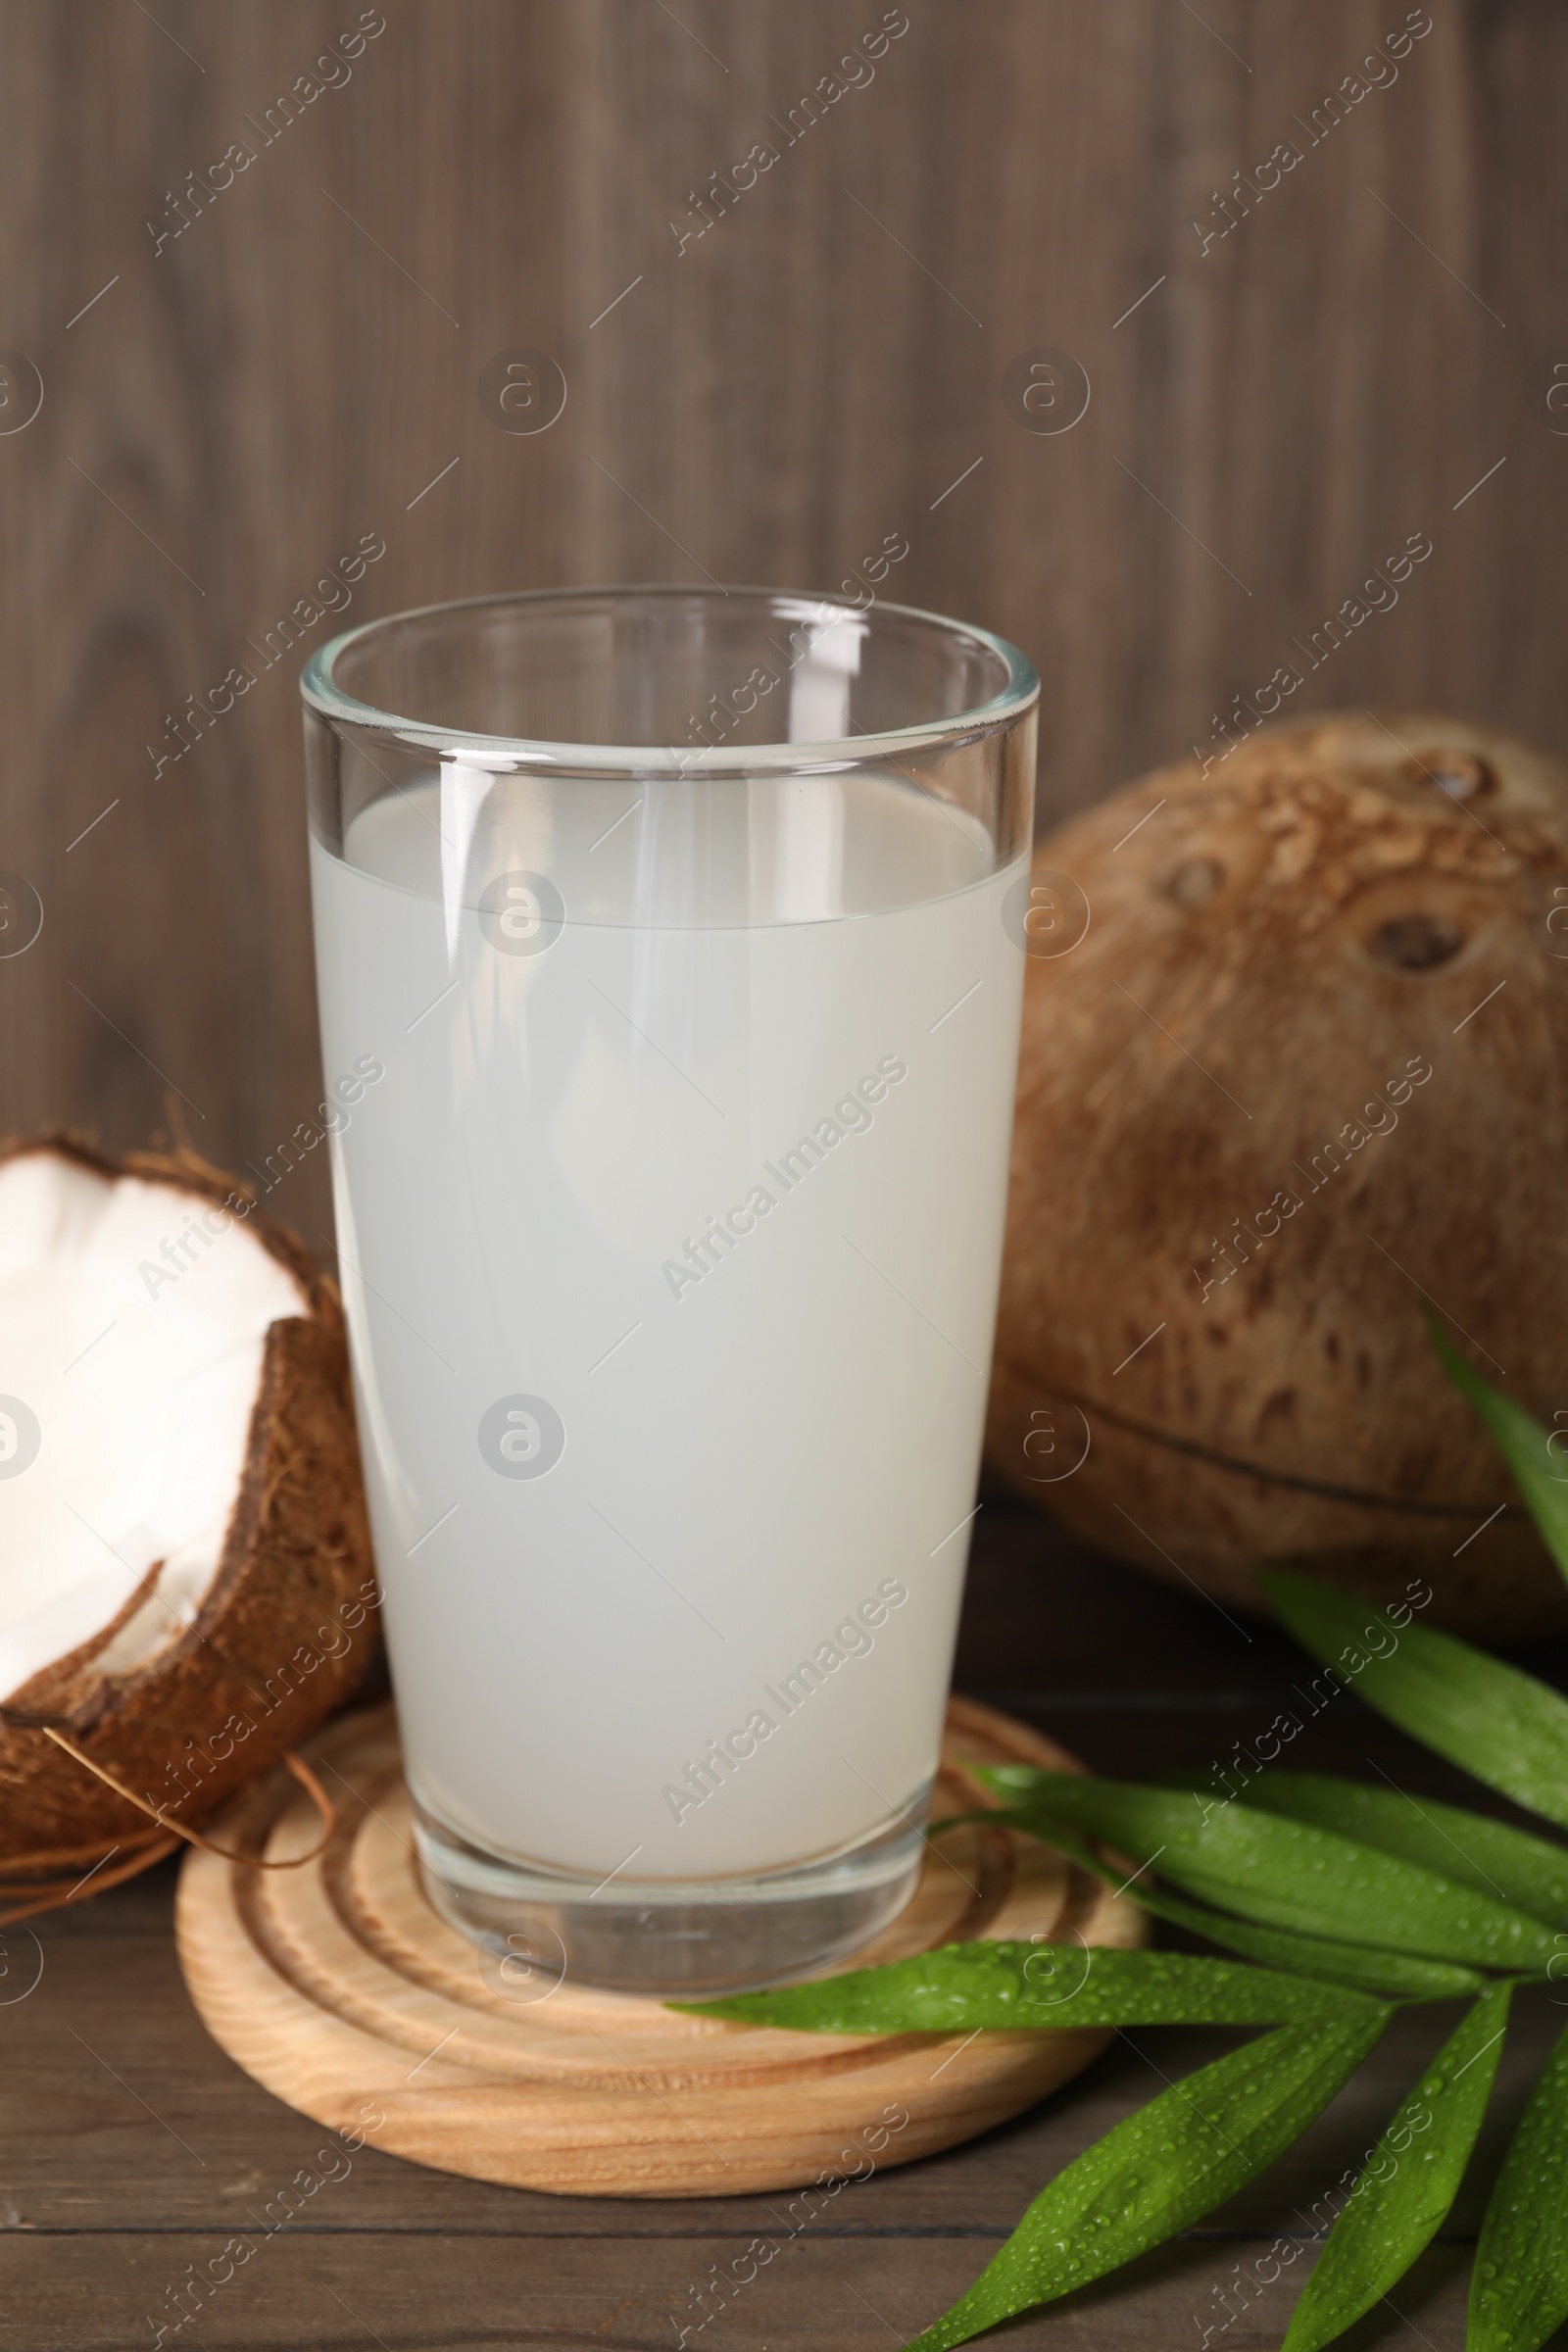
x=1295, y=1069
x=183, y=1674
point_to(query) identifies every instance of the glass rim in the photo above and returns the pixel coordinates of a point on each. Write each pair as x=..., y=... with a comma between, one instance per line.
x=1019, y=693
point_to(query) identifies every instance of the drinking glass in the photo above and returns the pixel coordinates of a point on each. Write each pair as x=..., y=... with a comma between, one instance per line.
x=669, y=948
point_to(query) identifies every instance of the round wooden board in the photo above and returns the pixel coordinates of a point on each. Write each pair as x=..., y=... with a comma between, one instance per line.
x=338, y=1987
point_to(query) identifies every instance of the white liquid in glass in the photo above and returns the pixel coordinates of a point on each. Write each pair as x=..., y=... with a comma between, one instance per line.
x=726, y=1195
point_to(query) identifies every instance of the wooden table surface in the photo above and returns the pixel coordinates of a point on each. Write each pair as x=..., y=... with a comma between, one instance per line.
x=133, y=2148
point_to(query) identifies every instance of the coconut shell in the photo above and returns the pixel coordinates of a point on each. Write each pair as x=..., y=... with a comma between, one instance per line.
x=295, y=1582
x=1234, y=1194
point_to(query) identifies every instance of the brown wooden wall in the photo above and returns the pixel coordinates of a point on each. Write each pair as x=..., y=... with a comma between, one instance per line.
x=250, y=396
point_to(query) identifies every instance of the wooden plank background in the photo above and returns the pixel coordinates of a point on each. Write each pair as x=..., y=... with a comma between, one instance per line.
x=242, y=400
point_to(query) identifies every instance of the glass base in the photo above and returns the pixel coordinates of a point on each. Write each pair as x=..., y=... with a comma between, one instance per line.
x=537, y=1927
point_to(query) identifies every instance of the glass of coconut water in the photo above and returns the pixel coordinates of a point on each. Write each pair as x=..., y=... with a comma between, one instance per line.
x=689, y=929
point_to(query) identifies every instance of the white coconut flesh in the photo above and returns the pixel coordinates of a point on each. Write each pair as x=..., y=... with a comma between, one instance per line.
x=134, y=1318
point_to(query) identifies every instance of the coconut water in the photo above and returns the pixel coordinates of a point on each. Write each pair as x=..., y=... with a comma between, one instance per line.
x=670, y=1244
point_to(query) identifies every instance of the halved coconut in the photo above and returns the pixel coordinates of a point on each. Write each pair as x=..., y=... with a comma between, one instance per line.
x=186, y=1585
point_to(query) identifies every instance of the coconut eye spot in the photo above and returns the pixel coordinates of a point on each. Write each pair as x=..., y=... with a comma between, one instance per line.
x=1192, y=883
x=1417, y=943
x=1463, y=775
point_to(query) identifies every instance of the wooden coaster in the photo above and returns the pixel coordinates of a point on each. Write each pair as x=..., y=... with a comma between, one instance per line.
x=338, y=1987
